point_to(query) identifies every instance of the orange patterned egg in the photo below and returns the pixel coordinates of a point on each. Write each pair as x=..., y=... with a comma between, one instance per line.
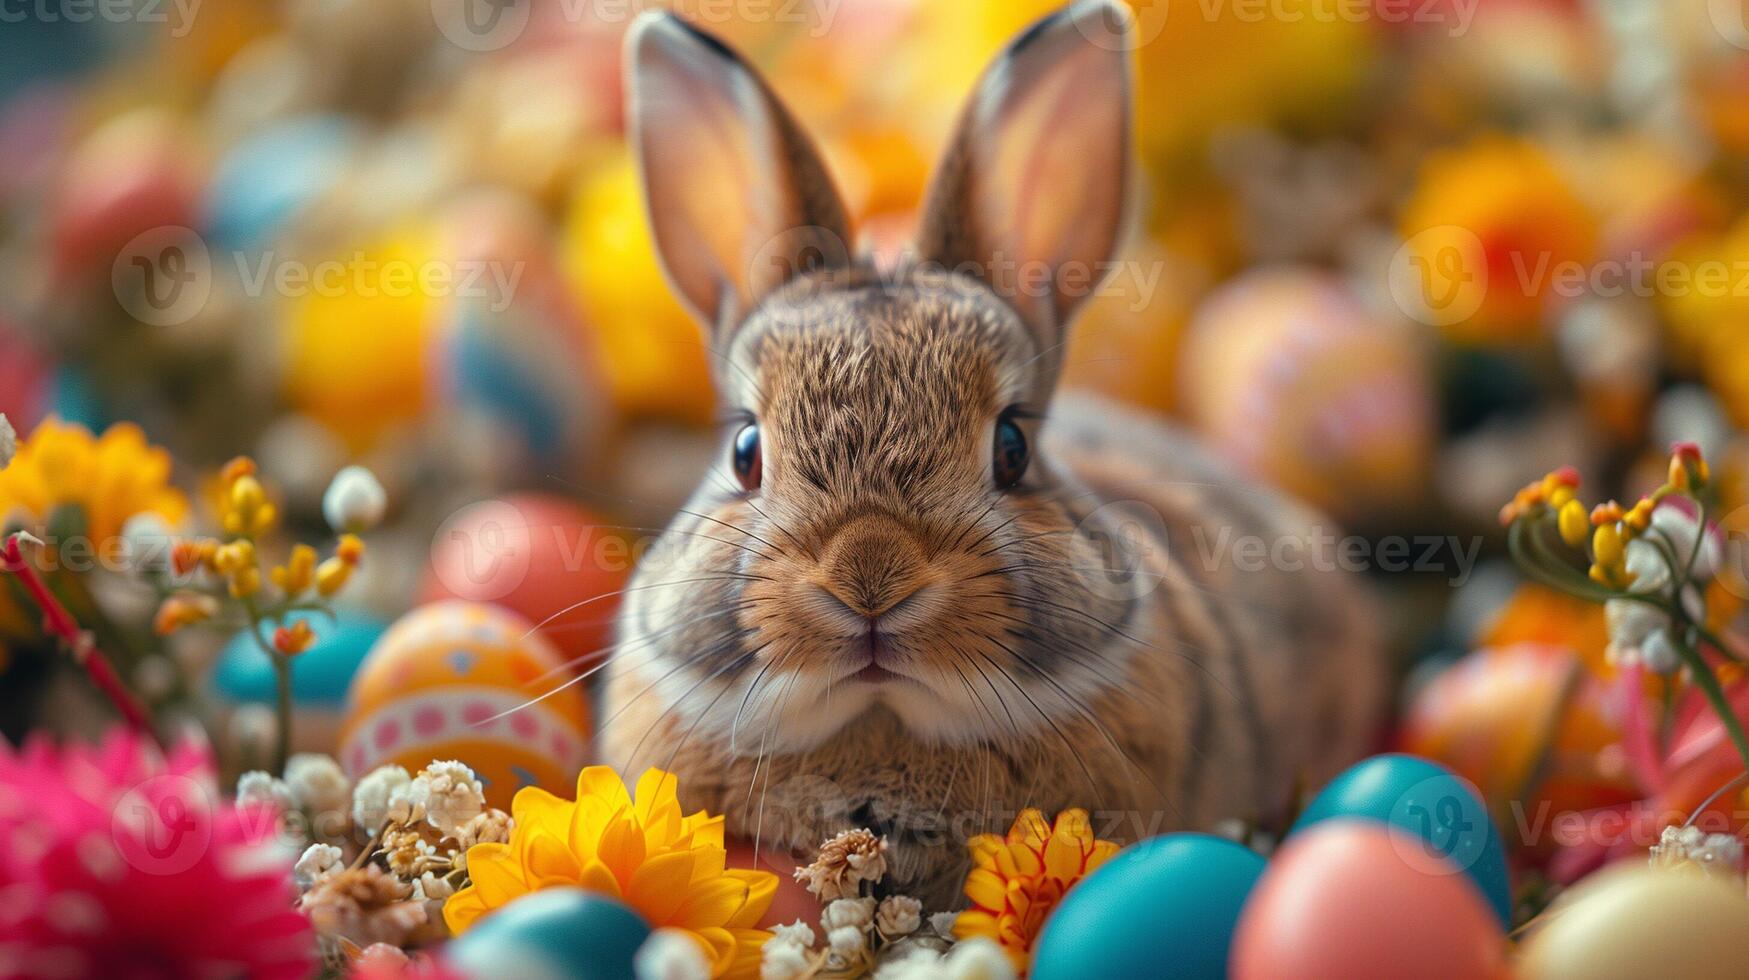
x=460, y=680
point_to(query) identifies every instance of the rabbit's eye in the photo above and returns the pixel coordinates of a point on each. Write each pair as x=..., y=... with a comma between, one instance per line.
x=1012, y=453
x=747, y=457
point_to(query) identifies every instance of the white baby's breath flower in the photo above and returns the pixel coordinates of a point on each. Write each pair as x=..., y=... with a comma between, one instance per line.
x=355, y=500
x=257, y=786
x=797, y=932
x=376, y=793
x=1687, y=848
x=8, y=441
x=855, y=912
x=431, y=887
x=145, y=542
x=847, y=941
x=318, y=784
x=919, y=963
x=781, y=959
x=670, y=954
x=977, y=959
x=317, y=862
x=899, y=915
x=450, y=793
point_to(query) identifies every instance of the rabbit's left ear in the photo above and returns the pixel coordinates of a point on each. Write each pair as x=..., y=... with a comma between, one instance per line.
x=1031, y=195
x=738, y=197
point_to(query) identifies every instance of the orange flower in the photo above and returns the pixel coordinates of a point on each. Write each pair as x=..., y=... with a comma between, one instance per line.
x=294, y=639
x=1016, y=881
x=668, y=867
x=110, y=477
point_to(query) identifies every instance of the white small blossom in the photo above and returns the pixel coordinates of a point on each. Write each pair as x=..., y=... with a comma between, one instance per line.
x=921, y=963
x=847, y=941
x=782, y=960
x=376, y=793
x=355, y=500
x=1688, y=847
x=318, y=784
x=257, y=786
x=978, y=959
x=431, y=887
x=8, y=441
x=797, y=932
x=1639, y=631
x=899, y=915
x=855, y=912
x=450, y=793
x=670, y=954
x=145, y=542
x=317, y=862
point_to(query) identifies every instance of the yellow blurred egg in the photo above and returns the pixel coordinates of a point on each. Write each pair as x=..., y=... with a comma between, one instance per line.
x=651, y=351
x=458, y=680
x=1128, y=337
x=1301, y=385
x=357, y=323
x=1631, y=922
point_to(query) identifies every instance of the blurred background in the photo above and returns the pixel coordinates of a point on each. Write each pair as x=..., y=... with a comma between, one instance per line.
x=1398, y=256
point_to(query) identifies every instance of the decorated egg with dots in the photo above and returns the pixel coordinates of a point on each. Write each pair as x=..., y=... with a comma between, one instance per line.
x=468, y=681
x=1300, y=384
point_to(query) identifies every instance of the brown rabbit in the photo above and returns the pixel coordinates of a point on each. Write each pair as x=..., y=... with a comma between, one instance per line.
x=919, y=594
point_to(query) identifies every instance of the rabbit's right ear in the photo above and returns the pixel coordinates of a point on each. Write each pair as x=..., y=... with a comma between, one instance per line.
x=738, y=197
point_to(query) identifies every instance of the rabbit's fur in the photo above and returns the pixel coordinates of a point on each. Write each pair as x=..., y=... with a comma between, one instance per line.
x=1060, y=643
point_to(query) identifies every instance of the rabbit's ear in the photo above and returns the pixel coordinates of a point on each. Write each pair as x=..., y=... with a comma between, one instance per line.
x=738, y=197
x=1030, y=197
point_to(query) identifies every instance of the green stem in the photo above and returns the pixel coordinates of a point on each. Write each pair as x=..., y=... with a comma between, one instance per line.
x=1709, y=685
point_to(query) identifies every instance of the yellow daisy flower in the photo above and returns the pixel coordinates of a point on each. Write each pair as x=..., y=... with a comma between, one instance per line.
x=110, y=477
x=1016, y=881
x=667, y=867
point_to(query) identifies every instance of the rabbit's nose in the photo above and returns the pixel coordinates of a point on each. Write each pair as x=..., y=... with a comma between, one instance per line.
x=872, y=565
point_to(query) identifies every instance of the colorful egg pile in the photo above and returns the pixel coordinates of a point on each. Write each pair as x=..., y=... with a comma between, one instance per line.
x=462, y=680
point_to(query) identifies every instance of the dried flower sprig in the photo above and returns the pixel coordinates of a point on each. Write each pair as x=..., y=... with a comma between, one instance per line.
x=208, y=576
x=1649, y=565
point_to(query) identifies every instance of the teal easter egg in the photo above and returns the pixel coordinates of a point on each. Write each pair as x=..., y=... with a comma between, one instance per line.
x=1440, y=809
x=320, y=675
x=1180, y=893
x=553, y=934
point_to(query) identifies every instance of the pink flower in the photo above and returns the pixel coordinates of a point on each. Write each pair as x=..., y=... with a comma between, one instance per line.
x=118, y=862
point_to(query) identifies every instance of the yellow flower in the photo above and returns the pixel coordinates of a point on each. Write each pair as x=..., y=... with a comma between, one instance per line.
x=299, y=571
x=668, y=867
x=1016, y=881
x=1575, y=523
x=246, y=510
x=110, y=477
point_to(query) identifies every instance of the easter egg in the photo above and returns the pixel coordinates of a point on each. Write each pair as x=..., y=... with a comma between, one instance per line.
x=1489, y=715
x=320, y=675
x=1429, y=801
x=1195, y=886
x=467, y=681
x=556, y=933
x=269, y=176
x=1363, y=901
x=512, y=350
x=1299, y=384
x=1631, y=921
x=544, y=557
x=131, y=175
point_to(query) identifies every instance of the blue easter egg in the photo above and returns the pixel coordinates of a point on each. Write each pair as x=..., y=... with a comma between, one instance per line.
x=1165, y=907
x=553, y=934
x=320, y=675
x=267, y=178
x=1432, y=803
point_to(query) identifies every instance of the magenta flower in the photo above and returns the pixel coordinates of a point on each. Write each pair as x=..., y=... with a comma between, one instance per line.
x=118, y=862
